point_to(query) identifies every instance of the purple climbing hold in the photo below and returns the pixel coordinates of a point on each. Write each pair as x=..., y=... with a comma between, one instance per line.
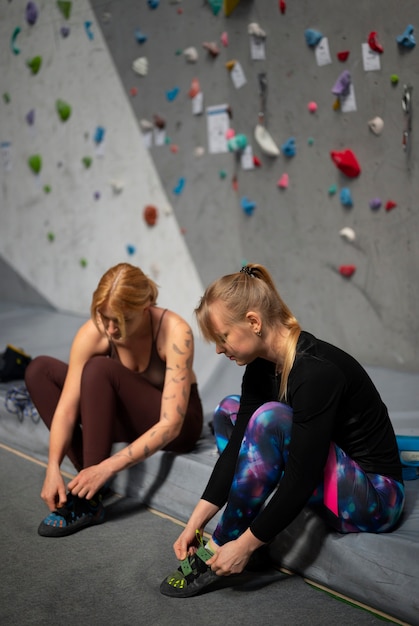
x=341, y=86
x=31, y=13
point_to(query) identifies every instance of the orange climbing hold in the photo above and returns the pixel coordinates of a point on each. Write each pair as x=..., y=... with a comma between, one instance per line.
x=150, y=215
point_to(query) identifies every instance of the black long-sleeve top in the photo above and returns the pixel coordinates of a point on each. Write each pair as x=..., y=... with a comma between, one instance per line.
x=333, y=399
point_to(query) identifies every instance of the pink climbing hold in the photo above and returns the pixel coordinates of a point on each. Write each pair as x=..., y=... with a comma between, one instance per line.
x=346, y=162
x=347, y=270
x=195, y=88
x=283, y=182
x=312, y=107
x=390, y=204
x=224, y=39
x=230, y=133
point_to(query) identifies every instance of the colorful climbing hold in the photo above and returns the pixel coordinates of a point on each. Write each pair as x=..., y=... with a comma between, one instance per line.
x=212, y=48
x=34, y=64
x=312, y=37
x=35, y=163
x=346, y=162
x=347, y=233
x=177, y=190
x=343, y=56
x=65, y=31
x=376, y=125
x=390, y=204
x=312, y=107
x=131, y=249
x=282, y=6
x=374, y=43
x=140, y=66
x=289, y=148
x=172, y=93
x=63, y=109
x=256, y=161
x=65, y=8
x=83, y=262
x=247, y=205
x=224, y=39
x=407, y=38
x=150, y=215
x=47, y=188
x=237, y=143
x=153, y=4
x=394, y=79
x=140, y=37
x=332, y=190
x=222, y=174
x=346, y=197
x=347, y=270
x=15, y=49
x=30, y=117
x=342, y=84
x=87, y=161
x=375, y=204
x=194, y=89
x=50, y=236
x=88, y=28
x=6, y=97
x=31, y=13
x=99, y=134
x=283, y=182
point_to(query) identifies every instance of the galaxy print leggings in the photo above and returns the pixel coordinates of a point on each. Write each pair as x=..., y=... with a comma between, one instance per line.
x=349, y=499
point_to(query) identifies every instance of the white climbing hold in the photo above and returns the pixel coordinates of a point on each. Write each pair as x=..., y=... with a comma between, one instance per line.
x=140, y=66
x=255, y=30
x=347, y=233
x=146, y=125
x=376, y=125
x=191, y=54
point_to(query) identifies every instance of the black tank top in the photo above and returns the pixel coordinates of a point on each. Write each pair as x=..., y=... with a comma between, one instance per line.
x=156, y=368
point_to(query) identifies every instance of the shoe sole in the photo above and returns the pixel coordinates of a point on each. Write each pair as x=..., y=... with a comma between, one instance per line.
x=191, y=589
x=48, y=530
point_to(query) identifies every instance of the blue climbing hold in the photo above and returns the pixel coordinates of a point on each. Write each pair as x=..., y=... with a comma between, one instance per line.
x=313, y=37
x=289, y=148
x=407, y=39
x=346, y=198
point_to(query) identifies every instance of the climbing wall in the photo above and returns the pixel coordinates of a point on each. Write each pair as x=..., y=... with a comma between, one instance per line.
x=76, y=179
x=341, y=247
x=124, y=104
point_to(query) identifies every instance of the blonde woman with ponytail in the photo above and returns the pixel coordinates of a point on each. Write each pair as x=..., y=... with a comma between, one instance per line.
x=309, y=427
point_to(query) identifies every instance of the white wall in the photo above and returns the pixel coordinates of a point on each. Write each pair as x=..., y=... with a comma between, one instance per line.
x=79, y=71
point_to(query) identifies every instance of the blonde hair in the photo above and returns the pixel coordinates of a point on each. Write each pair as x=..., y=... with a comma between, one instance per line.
x=250, y=289
x=123, y=288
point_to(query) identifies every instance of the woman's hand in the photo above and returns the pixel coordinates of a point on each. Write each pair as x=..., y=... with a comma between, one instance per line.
x=53, y=491
x=232, y=557
x=88, y=482
x=186, y=543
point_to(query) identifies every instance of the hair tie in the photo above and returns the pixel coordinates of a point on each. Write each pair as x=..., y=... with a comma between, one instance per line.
x=247, y=270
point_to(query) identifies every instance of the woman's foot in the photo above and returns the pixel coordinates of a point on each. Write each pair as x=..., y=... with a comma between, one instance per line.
x=76, y=514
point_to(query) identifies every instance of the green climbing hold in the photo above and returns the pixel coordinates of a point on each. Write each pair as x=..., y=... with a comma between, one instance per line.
x=35, y=163
x=50, y=236
x=332, y=190
x=394, y=79
x=34, y=64
x=47, y=188
x=87, y=161
x=83, y=262
x=63, y=110
x=6, y=97
x=65, y=8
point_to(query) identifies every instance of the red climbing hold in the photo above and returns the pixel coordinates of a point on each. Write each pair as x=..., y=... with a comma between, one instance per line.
x=256, y=161
x=282, y=6
x=390, y=204
x=347, y=163
x=342, y=56
x=373, y=43
x=347, y=270
x=150, y=215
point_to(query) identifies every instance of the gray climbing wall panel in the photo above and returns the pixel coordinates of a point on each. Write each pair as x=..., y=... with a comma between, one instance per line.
x=294, y=231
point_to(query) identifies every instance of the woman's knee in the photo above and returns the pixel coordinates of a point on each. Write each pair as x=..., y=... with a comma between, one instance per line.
x=37, y=370
x=272, y=417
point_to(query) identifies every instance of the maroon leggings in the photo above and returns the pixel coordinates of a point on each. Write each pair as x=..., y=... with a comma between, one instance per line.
x=116, y=404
